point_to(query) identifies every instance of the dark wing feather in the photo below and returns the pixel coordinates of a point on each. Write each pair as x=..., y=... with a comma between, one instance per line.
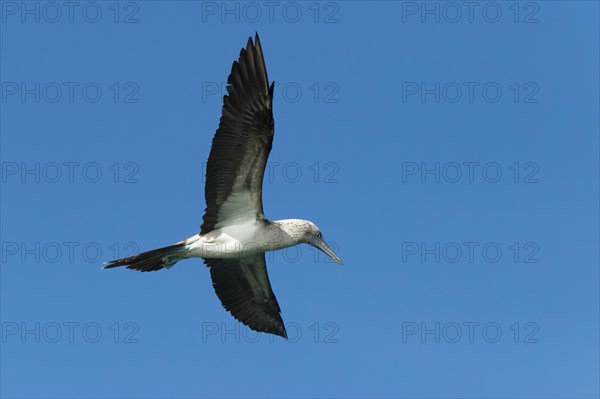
x=244, y=289
x=241, y=144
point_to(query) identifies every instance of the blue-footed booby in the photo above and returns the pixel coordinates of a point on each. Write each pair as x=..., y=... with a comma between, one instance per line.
x=235, y=233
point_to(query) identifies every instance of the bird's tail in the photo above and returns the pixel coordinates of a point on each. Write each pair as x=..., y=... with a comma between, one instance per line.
x=152, y=260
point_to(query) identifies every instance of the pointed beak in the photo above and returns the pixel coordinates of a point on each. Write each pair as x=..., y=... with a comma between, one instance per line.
x=322, y=245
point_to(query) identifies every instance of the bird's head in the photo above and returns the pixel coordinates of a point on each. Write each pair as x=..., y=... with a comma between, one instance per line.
x=305, y=231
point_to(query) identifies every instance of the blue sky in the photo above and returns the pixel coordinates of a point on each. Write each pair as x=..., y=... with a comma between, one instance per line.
x=449, y=152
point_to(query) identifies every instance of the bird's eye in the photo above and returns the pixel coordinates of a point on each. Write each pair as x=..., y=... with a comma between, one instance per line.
x=319, y=235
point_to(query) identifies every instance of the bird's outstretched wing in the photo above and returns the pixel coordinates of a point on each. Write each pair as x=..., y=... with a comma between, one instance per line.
x=242, y=143
x=244, y=289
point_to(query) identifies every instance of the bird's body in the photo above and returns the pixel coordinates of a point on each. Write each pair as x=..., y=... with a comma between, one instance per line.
x=235, y=233
x=247, y=238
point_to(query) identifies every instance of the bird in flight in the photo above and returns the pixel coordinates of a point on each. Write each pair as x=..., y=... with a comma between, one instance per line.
x=235, y=233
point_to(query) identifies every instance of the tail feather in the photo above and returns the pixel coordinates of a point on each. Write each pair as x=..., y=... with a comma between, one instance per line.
x=152, y=260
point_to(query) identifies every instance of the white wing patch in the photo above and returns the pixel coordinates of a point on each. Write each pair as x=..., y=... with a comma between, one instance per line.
x=239, y=208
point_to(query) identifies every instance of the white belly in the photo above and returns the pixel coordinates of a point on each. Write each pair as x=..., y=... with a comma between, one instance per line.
x=229, y=242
